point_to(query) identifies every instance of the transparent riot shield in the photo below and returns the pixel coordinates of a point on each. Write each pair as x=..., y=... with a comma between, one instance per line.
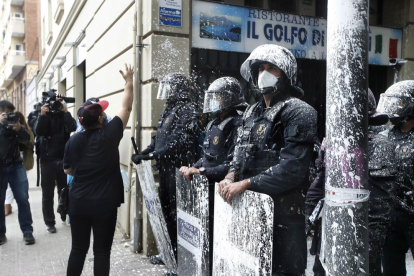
x=192, y=226
x=156, y=217
x=243, y=235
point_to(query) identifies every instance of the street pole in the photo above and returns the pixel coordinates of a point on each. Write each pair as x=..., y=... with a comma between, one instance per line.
x=344, y=249
x=138, y=220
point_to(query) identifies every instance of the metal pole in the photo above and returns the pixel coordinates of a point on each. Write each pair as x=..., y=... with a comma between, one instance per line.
x=344, y=249
x=138, y=197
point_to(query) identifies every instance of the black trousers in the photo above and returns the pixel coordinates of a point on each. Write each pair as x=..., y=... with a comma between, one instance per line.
x=103, y=227
x=52, y=175
x=167, y=193
x=399, y=239
x=377, y=234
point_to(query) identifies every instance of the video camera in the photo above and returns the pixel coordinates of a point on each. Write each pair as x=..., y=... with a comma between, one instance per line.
x=12, y=119
x=54, y=105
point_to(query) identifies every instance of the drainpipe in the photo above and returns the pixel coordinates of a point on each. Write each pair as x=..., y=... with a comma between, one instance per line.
x=136, y=128
x=345, y=217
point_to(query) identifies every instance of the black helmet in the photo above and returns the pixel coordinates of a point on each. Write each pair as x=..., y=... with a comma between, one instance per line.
x=174, y=87
x=375, y=118
x=223, y=93
x=277, y=56
x=398, y=101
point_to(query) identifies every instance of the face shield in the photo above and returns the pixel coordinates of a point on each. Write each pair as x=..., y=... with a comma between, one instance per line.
x=216, y=101
x=164, y=91
x=395, y=106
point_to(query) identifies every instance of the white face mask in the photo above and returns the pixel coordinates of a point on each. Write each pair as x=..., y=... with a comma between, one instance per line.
x=266, y=79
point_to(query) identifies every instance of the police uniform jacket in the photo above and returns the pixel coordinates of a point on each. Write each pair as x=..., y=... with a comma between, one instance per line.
x=176, y=134
x=218, y=146
x=274, y=149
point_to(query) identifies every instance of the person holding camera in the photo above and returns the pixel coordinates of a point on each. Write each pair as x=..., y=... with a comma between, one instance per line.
x=53, y=128
x=26, y=148
x=12, y=133
x=92, y=157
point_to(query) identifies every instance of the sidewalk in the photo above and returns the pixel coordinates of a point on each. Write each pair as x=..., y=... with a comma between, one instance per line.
x=49, y=256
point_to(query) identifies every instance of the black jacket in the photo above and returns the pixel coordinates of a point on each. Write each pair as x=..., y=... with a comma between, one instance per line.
x=298, y=121
x=180, y=137
x=54, y=131
x=9, y=145
x=217, y=173
x=279, y=142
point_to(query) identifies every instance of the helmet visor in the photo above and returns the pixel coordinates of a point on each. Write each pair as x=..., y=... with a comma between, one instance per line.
x=394, y=106
x=164, y=91
x=216, y=101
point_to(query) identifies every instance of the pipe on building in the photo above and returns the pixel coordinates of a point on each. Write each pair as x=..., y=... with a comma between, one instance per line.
x=345, y=218
x=136, y=128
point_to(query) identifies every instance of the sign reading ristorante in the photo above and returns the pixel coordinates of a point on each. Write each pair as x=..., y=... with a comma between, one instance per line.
x=241, y=29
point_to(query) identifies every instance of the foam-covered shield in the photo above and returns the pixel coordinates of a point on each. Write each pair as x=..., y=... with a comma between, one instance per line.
x=243, y=235
x=156, y=217
x=192, y=226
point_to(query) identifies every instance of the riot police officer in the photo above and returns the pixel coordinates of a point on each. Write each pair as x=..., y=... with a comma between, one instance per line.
x=176, y=134
x=398, y=103
x=224, y=100
x=274, y=150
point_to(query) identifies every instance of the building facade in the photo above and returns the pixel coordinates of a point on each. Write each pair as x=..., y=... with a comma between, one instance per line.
x=19, y=50
x=83, y=44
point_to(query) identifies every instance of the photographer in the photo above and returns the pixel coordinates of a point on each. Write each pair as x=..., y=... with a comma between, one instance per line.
x=53, y=128
x=13, y=172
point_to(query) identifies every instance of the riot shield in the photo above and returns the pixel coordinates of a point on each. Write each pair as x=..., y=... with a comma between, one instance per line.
x=192, y=226
x=243, y=235
x=156, y=217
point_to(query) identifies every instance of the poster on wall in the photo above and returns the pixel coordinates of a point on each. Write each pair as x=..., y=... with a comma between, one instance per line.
x=170, y=13
x=242, y=29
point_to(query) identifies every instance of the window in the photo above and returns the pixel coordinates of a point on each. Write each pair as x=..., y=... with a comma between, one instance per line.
x=253, y=3
x=49, y=24
x=17, y=15
x=283, y=6
x=18, y=47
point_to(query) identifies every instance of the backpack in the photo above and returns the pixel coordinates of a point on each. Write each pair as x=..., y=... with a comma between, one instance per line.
x=27, y=148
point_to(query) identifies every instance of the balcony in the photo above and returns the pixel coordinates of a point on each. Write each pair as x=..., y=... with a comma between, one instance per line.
x=59, y=11
x=17, y=27
x=4, y=83
x=16, y=61
x=17, y=2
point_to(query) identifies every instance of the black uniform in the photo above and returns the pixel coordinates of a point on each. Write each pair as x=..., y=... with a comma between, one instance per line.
x=53, y=131
x=400, y=238
x=218, y=148
x=274, y=149
x=382, y=175
x=176, y=135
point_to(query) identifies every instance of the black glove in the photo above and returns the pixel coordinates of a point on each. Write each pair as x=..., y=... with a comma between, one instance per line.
x=137, y=158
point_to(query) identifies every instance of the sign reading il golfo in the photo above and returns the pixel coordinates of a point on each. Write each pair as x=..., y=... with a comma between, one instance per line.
x=241, y=29
x=170, y=12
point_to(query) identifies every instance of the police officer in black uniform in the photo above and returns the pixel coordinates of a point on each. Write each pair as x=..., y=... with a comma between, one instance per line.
x=176, y=134
x=398, y=103
x=224, y=100
x=274, y=150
